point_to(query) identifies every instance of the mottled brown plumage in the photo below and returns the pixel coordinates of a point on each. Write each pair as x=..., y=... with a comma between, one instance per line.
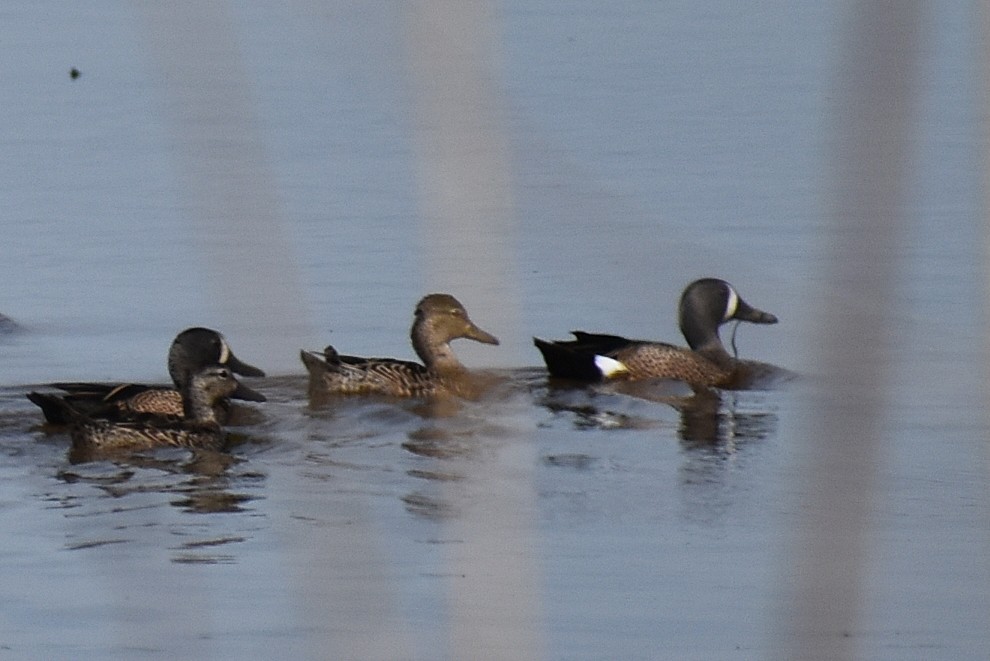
x=656, y=359
x=439, y=319
x=705, y=305
x=197, y=428
x=192, y=350
x=164, y=401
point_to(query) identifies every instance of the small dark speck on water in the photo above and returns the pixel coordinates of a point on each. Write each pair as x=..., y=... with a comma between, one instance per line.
x=74, y=73
x=7, y=325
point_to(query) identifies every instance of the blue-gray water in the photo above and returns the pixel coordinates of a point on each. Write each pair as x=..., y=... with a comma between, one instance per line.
x=290, y=176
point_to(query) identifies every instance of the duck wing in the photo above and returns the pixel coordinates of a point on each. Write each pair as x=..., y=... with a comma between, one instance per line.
x=333, y=373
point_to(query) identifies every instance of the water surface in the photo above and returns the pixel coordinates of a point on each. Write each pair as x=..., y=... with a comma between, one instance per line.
x=285, y=174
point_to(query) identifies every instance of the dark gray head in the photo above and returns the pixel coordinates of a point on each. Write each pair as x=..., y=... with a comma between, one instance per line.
x=708, y=303
x=196, y=348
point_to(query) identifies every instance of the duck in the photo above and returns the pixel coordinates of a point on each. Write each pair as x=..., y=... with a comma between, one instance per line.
x=191, y=350
x=438, y=319
x=198, y=428
x=704, y=306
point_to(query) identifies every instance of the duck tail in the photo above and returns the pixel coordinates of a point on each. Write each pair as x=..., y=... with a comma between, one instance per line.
x=56, y=410
x=565, y=361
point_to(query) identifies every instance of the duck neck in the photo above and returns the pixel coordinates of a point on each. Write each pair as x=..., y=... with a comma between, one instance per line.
x=718, y=355
x=436, y=355
x=197, y=407
x=705, y=340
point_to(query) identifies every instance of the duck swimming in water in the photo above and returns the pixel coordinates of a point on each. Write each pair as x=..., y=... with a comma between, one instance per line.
x=705, y=305
x=439, y=319
x=192, y=350
x=198, y=428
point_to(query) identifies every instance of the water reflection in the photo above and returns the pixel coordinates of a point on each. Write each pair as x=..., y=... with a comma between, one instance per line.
x=707, y=417
x=201, y=479
x=448, y=442
x=713, y=419
x=590, y=407
x=440, y=443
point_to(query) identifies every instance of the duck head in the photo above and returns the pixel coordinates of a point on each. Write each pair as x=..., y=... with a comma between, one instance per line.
x=708, y=303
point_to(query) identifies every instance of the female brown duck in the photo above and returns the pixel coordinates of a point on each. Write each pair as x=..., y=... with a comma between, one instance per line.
x=198, y=428
x=439, y=319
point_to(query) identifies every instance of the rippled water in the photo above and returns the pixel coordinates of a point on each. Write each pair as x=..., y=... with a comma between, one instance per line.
x=290, y=175
x=358, y=528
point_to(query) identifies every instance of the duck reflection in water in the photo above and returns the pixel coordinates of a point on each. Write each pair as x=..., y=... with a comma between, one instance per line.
x=198, y=481
x=708, y=417
x=712, y=418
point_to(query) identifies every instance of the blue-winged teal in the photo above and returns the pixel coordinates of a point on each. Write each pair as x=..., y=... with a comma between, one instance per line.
x=192, y=350
x=439, y=319
x=197, y=428
x=705, y=305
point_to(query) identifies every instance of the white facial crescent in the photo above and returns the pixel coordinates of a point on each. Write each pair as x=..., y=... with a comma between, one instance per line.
x=731, y=305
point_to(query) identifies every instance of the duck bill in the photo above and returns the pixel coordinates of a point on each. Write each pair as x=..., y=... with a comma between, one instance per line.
x=247, y=394
x=746, y=312
x=478, y=335
x=241, y=368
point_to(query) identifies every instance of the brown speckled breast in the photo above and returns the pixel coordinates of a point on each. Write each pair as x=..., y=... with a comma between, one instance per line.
x=664, y=361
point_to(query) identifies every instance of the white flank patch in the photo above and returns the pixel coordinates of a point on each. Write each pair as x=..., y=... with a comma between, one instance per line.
x=224, y=351
x=731, y=304
x=609, y=367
